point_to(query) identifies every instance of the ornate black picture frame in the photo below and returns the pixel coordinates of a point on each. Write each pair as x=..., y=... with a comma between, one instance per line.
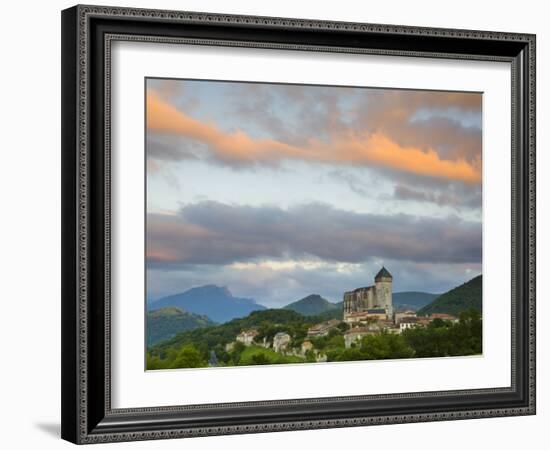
x=87, y=34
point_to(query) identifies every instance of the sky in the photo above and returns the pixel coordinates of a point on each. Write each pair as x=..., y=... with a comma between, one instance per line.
x=279, y=191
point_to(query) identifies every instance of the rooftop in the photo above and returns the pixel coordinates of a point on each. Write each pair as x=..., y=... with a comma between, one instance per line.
x=376, y=311
x=383, y=274
x=358, y=330
x=409, y=320
x=281, y=334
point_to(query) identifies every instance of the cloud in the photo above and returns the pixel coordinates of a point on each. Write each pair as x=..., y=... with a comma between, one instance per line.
x=395, y=113
x=451, y=196
x=350, y=147
x=221, y=234
x=292, y=280
x=354, y=182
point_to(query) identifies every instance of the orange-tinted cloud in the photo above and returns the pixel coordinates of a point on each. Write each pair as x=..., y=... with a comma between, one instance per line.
x=346, y=148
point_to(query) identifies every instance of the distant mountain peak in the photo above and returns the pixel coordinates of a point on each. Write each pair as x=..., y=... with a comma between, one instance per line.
x=212, y=288
x=168, y=310
x=312, y=297
x=216, y=302
x=311, y=305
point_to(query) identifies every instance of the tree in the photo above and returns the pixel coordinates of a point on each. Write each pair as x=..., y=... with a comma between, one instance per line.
x=343, y=327
x=439, y=323
x=259, y=359
x=154, y=362
x=235, y=354
x=443, y=338
x=385, y=346
x=310, y=356
x=189, y=356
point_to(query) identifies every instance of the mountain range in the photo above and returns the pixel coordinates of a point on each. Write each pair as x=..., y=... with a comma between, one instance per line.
x=209, y=304
x=213, y=301
x=458, y=299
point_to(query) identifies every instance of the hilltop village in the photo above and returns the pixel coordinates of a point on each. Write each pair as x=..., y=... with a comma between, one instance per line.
x=366, y=325
x=366, y=311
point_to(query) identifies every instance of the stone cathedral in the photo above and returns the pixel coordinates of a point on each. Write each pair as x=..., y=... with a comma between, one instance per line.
x=375, y=299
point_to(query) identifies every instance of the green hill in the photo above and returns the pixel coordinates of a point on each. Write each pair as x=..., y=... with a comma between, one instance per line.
x=268, y=322
x=165, y=323
x=461, y=298
x=412, y=299
x=312, y=305
x=333, y=313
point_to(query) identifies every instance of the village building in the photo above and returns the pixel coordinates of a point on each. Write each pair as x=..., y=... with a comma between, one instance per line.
x=322, y=329
x=377, y=297
x=356, y=317
x=393, y=329
x=281, y=341
x=355, y=334
x=400, y=315
x=423, y=320
x=247, y=337
x=407, y=322
x=377, y=314
x=369, y=315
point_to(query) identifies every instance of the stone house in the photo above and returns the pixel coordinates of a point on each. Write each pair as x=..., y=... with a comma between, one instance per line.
x=356, y=317
x=400, y=315
x=407, y=322
x=281, y=341
x=247, y=337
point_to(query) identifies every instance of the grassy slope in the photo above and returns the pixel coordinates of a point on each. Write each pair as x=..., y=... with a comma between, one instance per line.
x=461, y=298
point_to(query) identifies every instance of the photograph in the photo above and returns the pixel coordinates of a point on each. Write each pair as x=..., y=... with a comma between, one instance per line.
x=297, y=223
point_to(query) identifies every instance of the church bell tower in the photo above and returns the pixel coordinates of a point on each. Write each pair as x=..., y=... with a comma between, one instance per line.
x=383, y=286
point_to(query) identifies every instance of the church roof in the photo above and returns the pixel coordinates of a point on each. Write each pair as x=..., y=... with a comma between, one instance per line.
x=383, y=274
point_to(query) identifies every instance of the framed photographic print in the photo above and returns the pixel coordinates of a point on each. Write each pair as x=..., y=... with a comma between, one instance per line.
x=282, y=224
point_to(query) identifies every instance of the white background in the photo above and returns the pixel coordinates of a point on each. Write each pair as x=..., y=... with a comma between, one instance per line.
x=30, y=237
x=132, y=387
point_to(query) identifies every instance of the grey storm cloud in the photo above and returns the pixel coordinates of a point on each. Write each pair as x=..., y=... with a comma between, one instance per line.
x=440, y=192
x=453, y=195
x=214, y=233
x=280, y=287
x=172, y=148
